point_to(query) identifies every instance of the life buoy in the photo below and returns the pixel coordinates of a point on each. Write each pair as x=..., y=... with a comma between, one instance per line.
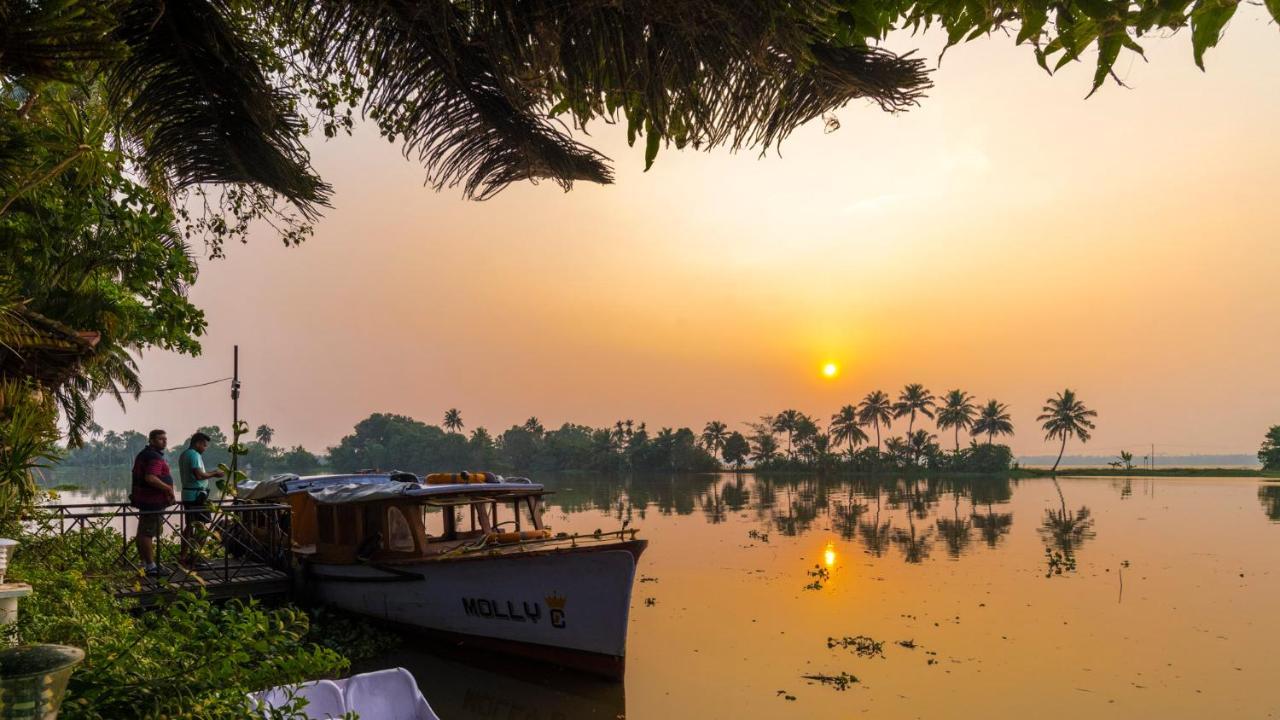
x=503, y=538
x=462, y=478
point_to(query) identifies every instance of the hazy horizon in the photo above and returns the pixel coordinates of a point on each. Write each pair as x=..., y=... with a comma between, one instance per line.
x=1008, y=238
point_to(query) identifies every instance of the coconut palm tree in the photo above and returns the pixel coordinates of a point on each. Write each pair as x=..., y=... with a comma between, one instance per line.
x=1065, y=417
x=913, y=399
x=876, y=410
x=847, y=429
x=714, y=436
x=764, y=447
x=265, y=433
x=921, y=443
x=993, y=420
x=453, y=420
x=787, y=421
x=957, y=412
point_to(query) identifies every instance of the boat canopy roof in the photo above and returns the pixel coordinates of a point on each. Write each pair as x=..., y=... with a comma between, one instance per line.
x=357, y=488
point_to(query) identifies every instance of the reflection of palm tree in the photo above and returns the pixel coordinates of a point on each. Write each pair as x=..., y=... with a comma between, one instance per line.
x=713, y=505
x=993, y=420
x=954, y=530
x=913, y=399
x=875, y=409
x=847, y=514
x=1065, y=417
x=1066, y=529
x=993, y=525
x=875, y=536
x=957, y=412
x=915, y=548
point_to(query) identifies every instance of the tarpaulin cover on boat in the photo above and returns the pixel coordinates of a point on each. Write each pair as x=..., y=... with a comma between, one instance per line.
x=280, y=485
x=355, y=492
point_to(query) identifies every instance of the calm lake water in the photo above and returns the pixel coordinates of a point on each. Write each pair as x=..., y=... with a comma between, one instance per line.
x=1101, y=598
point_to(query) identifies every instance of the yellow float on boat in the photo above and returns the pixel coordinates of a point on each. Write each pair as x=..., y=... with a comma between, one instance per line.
x=462, y=478
x=503, y=538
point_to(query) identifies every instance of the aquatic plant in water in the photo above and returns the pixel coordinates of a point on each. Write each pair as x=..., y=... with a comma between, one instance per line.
x=840, y=682
x=861, y=644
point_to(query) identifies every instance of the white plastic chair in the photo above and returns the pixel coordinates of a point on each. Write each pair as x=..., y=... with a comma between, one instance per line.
x=324, y=698
x=390, y=694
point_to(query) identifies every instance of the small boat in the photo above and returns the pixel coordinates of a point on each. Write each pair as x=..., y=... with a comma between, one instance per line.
x=465, y=556
x=390, y=694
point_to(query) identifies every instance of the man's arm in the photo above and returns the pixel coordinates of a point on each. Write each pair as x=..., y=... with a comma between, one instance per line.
x=155, y=482
x=151, y=478
x=202, y=474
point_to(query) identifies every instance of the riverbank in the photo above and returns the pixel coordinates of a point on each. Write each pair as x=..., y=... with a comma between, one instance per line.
x=1172, y=472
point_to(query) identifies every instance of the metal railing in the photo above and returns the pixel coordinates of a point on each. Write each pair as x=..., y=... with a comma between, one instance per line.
x=240, y=540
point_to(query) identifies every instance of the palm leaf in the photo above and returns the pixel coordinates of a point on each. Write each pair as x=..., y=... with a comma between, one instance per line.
x=194, y=98
x=42, y=41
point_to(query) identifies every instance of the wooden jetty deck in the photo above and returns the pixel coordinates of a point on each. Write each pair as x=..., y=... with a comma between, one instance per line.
x=237, y=578
x=247, y=546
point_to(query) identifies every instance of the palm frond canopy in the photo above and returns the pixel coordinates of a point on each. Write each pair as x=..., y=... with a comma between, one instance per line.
x=193, y=95
x=1066, y=416
x=473, y=88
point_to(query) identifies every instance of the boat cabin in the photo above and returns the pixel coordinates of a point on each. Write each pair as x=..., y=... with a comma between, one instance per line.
x=396, y=517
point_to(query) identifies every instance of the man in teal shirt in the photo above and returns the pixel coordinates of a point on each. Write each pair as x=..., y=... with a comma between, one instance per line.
x=195, y=495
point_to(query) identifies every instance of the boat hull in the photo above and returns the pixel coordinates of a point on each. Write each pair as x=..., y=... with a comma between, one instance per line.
x=567, y=606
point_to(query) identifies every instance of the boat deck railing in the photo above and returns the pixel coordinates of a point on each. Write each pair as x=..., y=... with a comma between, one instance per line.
x=570, y=539
x=244, y=549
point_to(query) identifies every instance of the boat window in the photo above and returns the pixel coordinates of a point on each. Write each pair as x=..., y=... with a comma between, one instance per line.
x=399, y=534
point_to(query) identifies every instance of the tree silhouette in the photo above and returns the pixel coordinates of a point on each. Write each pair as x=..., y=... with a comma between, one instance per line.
x=876, y=410
x=993, y=420
x=453, y=420
x=714, y=436
x=787, y=422
x=913, y=399
x=846, y=428
x=1065, y=417
x=957, y=412
x=265, y=433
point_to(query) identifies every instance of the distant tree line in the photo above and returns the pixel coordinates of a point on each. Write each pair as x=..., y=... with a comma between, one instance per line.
x=789, y=440
x=112, y=449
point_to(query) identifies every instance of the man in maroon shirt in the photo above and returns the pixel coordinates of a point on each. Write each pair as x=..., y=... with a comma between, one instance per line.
x=152, y=492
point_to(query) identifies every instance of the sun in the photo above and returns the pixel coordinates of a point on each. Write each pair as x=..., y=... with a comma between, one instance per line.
x=830, y=370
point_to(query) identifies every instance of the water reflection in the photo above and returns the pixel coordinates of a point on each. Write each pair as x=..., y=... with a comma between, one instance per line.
x=1269, y=496
x=910, y=514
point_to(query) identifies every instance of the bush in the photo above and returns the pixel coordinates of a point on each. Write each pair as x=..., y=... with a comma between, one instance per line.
x=186, y=658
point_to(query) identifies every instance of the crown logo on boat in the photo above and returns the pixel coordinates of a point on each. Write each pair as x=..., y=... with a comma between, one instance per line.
x=555, y=602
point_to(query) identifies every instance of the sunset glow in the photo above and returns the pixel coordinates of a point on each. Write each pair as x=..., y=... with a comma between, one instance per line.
x=947, y=244
x=830, y=370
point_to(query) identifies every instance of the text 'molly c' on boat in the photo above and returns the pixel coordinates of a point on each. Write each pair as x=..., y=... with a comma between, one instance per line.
x=465, y=556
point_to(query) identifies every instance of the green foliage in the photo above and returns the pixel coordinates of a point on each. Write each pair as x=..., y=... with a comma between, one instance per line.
x=28, y=431
x=186, y=658
x=1269, y=453
x=82, y=243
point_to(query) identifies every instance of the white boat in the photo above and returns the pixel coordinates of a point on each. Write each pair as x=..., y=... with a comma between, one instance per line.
x=382, y=695
x=435, y=555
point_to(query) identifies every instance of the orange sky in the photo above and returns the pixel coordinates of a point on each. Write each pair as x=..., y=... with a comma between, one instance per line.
x=1008, y=237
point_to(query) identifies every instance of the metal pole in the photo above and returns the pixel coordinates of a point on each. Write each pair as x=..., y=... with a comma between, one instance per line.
x=235, y=386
